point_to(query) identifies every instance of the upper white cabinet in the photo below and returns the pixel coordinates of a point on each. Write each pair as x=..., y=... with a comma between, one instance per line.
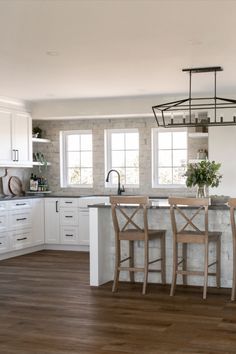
x=16, y=139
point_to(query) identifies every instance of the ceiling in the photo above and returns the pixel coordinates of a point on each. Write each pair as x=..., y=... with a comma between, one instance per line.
x=54, y=49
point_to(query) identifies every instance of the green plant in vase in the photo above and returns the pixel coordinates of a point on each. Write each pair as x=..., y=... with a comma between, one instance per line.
x=203, y=174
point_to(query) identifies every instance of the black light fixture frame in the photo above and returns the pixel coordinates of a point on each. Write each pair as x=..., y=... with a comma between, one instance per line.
x=164, y=113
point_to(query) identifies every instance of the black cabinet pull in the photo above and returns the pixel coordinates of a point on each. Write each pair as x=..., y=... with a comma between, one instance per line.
x=68, y=216
x=21, y=239
x=13, y=155
x=57, y=206
x=17, y=204
x=68, y=202
x=20, y=219
x=17, y=155
x=69, y=235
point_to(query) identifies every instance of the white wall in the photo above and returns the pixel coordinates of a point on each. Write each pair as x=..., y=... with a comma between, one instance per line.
x=222, y=148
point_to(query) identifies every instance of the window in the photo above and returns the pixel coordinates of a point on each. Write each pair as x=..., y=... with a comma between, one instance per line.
x=76, y=158
x=169, y=157
x=122, y=154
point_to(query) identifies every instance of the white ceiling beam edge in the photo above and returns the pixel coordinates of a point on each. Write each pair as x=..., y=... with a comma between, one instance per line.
x=101, y=116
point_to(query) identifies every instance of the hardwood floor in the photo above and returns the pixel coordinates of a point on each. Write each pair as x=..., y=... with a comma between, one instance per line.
x=48, y=307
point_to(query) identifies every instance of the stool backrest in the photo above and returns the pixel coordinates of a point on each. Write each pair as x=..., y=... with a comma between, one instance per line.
x=201, y=204
x=126, y=221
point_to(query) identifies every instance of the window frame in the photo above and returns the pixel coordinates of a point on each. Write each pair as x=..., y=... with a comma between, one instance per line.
x=155, y=149
x=108, y=155
x=63, y=158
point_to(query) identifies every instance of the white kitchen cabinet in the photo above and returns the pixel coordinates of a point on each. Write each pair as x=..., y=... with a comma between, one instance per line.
x=20, y=219
x=69, y=235
x=84, y=226
x=20, y=239
x=84, y=216
x=52, y=221
x=4, y=237
x=4, y=242
x=6, y=153
x=69, y=220
x=38, y=221
x=16, y=139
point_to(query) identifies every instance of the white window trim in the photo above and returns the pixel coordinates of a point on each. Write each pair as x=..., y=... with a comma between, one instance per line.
x=155, y=132
x=107, y=144
x=63, y=164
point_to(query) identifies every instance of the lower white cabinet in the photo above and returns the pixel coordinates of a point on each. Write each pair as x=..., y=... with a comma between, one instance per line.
x=67, y=220
x=38, y=221
x=69, y=235
x=4, y=242
x=21, y=224
x=52, y=229
x=20, y=239
x=84, y=226
x=20, y=219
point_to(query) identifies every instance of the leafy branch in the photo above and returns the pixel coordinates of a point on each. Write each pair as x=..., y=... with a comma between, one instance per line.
x=203, y=173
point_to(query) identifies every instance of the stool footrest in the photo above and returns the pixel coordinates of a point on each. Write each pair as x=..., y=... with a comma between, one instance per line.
x=125, y=259
x=156, y=260
x=131, y=269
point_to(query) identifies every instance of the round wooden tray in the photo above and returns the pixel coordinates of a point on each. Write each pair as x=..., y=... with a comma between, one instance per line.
x=15, y=186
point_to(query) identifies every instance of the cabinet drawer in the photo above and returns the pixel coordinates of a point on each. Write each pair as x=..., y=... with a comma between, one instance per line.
x=68, y=202
x=21, y=239
x=19, y=204
x=4, y=243
x=19, y=219
x=69, y=216
x=3, y=220
x=3, y=206
x=69, y=235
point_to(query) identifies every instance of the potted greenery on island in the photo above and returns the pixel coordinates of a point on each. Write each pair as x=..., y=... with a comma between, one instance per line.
x=203, y=174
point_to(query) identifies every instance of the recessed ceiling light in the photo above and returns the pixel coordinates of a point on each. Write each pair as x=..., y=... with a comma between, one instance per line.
x=52, y=53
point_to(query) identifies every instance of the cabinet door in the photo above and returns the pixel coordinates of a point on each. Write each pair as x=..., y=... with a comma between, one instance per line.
x=37, y=221
x=6, y=138
x=22, y=139
x=4, y=242
x=52, y=220
x=84, y=226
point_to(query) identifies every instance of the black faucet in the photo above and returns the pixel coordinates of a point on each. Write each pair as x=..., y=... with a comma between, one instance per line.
x=119, y=190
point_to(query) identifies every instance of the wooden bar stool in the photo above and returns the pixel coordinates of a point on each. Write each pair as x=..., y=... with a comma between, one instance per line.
x=126, y=228
x=232, y=205
x=189, y=233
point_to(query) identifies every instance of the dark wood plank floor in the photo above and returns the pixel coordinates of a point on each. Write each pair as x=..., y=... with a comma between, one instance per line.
x=47, y=307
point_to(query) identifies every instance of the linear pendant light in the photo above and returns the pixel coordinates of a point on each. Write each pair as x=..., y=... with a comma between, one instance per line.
x=196, y=112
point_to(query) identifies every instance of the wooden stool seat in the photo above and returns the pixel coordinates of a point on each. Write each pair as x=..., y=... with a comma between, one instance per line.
x=190, y=233
x=126, y=228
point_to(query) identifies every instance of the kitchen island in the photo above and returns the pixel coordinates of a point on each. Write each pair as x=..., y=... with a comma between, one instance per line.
x=102, y=245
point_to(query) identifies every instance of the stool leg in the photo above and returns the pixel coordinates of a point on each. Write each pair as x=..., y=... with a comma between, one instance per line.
x=184, y=250
x=234, y=271
x=205, y=271
x=146, y=260
x=131, y=261
x=163, y=259
x=175, y=266
x=218, y=261
x=117, y=265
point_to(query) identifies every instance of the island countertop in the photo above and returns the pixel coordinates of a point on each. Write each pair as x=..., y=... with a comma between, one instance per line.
x=156, y=203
